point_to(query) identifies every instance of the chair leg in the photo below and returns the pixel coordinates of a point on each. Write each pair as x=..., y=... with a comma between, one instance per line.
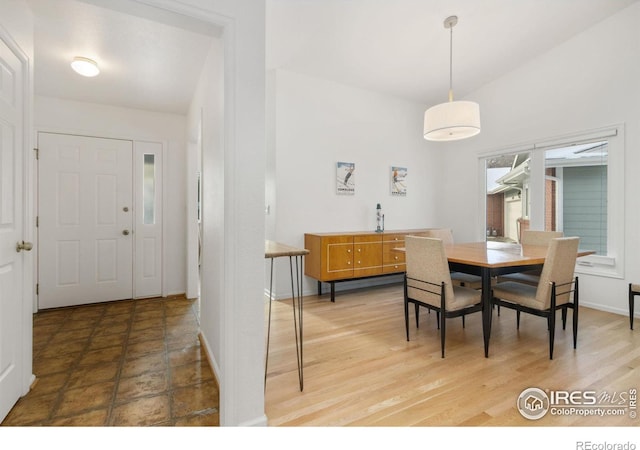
x=463, y=324
x=518, y=319
x=576, y=302
x=417, y=314
x=552, y=320
x=564, y=317
x=406, y=317
x=442, y=325
x=631, y=302
x=438, y=318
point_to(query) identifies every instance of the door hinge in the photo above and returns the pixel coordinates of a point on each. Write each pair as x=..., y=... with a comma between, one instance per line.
x=37, y=150
x=37, y=221
x=37, y=288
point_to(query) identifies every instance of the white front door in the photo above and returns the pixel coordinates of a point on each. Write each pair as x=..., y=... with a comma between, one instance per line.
x=85, y=220
x=11, y=228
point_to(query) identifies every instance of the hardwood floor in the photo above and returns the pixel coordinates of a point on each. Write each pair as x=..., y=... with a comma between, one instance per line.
x=359, y=370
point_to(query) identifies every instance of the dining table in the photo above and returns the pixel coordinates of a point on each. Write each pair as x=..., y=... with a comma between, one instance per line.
x=489, y=259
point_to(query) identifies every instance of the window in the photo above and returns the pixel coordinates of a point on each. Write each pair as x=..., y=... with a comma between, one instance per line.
x=573, y=184
x=149, y=190
x=576, y=193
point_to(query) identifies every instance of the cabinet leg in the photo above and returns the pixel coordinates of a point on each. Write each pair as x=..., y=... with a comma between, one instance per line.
x=333, y=292
x=319, y=288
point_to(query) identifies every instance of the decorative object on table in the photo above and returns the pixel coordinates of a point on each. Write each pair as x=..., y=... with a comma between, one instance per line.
x=398, y=181
x=379, y=219
x=451, y=121
x=345, y=179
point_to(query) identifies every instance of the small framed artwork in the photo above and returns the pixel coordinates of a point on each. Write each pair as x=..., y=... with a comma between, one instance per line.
x=398, y=181
x=345, y=178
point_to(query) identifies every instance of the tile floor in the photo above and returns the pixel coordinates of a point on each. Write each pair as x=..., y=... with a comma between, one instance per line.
x=125, y=363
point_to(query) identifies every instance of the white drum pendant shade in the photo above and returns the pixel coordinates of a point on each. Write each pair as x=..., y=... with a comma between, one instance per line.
x=452, y=121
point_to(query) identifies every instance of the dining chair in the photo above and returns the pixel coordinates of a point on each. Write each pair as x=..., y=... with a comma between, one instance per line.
x=557, y=289
x=427, y=283
x=634, y=289
x=531, y=238
x=457, y=278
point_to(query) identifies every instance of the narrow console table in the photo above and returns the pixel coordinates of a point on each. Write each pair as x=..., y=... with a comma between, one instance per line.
x=274, y=250
x=336, y=257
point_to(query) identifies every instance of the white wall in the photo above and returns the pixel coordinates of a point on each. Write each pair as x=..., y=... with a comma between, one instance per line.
x=589, y=82
x=233, y=127
x=318, y=123
x=53, y=114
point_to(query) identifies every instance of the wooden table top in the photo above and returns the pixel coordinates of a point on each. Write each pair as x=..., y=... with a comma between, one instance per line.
x=275, y=249
x=497, y=254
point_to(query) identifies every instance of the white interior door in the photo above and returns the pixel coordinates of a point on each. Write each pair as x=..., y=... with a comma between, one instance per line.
x=11, y=228
x=85, y=220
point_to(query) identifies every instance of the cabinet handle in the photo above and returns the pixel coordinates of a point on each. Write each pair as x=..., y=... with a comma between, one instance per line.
x=349, y=251
x=358, y=262
x=359, y=250
x=396, y=258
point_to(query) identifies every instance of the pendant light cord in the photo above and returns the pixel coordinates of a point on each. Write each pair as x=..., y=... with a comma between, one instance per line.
x=451, y=64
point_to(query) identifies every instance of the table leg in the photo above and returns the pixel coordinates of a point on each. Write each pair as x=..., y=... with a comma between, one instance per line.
x=297, y=315
x=266, y=359
x=486, y=308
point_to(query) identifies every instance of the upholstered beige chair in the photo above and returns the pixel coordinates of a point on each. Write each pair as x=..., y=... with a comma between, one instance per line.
x=634, y=289
x=457, y=278
x=531, y=238
x=557, y=289
x=427, y=283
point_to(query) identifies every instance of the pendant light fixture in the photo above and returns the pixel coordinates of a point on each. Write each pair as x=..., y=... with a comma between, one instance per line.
x=451, y=121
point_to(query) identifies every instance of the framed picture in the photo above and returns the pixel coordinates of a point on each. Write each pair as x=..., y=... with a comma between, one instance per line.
x=398, y=181
x=345, y=178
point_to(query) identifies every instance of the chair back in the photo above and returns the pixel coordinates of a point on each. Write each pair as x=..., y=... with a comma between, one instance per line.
x=559, y=266
x=427, y=267
x=536, y=237
x=445, y=234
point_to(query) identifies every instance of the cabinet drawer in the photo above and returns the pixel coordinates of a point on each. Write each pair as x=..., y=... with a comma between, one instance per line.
x=390, y=256
x=394, y=268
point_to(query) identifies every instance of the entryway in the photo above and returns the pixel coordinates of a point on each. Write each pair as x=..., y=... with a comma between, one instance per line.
x=99, y=219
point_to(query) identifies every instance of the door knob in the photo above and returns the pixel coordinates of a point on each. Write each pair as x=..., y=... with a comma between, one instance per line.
x=26, y=246
x=125, y=232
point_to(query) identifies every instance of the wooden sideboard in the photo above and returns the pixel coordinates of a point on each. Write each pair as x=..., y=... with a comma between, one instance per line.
x=335, y=257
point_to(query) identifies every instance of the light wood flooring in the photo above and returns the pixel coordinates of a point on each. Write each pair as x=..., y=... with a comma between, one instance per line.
x=359, y=370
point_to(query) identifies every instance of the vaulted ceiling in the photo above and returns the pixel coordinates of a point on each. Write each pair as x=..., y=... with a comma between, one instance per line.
x=150, y=59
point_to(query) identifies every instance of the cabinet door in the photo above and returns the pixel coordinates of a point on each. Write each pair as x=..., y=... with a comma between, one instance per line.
x=393, y=261
x=367, y=255
x=339, y=257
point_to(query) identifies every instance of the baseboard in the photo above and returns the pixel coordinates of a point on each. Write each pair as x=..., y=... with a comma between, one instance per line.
x=210, y=359
x=618, y=311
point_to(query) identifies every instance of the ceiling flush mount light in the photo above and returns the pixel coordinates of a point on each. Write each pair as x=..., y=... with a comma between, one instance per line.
x=452, y=120
x=85, y=66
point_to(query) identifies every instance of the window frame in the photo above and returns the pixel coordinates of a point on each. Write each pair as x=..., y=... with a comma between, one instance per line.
x=610, y=265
